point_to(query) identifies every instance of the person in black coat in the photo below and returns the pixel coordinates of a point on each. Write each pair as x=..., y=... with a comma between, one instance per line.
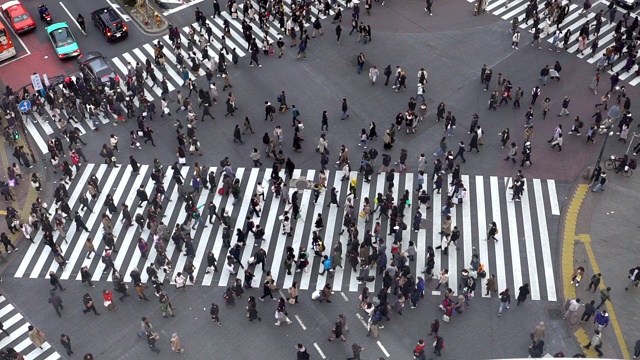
x=473, y=144
x=523, y=292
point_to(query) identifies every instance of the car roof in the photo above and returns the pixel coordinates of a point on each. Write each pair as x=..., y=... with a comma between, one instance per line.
x=105, y=10
x=88, y=56
x=9, y=4
x=57, y=26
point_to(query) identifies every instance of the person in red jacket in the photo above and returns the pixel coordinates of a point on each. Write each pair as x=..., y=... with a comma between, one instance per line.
x=108, y=300
x=419, y=347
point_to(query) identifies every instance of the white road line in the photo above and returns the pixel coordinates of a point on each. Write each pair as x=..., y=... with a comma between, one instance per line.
x=452, y=250
x=437, y=225
x=386, y=353
x=544, y=241
x=116, y=7
x=305, y=203
x=553, y=197
x=224, y=273
x=181, y=7
x=297, y=234
x=362, y=320
x=73, y=19
x=530, y=245
x=514, y=239
x=467, y=234
x=301, y=323
x=482, y=229
x=501, y=273
x=319, y=350
x=331, y=225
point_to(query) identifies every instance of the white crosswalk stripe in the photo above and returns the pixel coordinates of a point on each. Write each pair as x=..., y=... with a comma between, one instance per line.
x=18, y=328
x=488, y=200
x=573, y=21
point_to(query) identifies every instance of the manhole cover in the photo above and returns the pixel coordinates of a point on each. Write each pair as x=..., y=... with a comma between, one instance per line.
x=301, y=183
x=554, y=313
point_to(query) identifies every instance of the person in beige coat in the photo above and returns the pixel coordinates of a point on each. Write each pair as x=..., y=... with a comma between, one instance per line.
x=36, y=336
x=539, y=332
x=175, y=343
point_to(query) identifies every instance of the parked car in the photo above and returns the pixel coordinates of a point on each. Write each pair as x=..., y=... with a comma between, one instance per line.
x=18, y=17
x=110, y=24
x=62, y=40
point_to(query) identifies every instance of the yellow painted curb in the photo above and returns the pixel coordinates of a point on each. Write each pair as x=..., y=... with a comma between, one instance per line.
x=567, y=260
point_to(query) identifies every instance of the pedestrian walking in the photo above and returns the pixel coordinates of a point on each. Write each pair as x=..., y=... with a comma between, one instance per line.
x=596, y=342
x=215, y=312
x=55, y=281
x=355, y=350
x=605, y=294
x=152, y=338
x=595, y=282
x=88, y=304
x=145, y=327
x=56, y=301
x=175, y=343
x=565, y=106
x=36, y=336
x=344, y=109
x=505, y=300
x=65, y=341
x=539, y=332
x=572, y=307
x=523, y=292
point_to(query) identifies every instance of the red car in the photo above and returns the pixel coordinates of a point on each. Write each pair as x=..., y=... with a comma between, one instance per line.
x=17, y=16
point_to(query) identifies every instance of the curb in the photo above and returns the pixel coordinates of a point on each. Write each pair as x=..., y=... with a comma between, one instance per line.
x=570, y=237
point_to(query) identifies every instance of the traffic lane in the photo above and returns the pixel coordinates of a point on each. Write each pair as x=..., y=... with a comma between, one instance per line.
x=36, y=52
x=35, y=48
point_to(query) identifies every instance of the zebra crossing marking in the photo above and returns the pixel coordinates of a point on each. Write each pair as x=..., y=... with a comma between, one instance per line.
x=544, y=241
x=18, y=337
x=504, y=212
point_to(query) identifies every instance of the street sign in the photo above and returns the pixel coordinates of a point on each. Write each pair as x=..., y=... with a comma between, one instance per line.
x=36, y=82
x=24, y=106
x=46, y=79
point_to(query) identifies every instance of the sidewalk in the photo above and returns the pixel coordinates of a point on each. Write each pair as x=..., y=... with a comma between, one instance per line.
x=600, y=234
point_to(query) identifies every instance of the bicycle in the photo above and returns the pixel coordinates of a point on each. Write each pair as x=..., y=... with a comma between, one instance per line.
x=614, y=163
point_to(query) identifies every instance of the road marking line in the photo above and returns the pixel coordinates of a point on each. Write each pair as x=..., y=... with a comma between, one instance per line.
x=544, y=241
x=383, y=349
x=362, y=320
x=319, y=350
x=186, y=5
x=301, y=324
x=344, y=296
x=116, y=7
x=553, y=197
x=71, y=16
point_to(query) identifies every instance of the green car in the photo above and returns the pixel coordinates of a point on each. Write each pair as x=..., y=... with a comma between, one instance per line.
x=62, y=40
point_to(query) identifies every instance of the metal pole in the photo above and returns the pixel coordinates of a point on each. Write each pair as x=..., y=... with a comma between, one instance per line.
x=604, y=144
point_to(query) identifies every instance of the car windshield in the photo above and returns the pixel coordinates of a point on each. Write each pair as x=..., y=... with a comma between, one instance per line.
x=101, y=69
x=62, y=37
x=22, y=17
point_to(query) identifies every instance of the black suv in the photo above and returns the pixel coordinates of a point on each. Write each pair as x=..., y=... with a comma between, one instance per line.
x=110, y=23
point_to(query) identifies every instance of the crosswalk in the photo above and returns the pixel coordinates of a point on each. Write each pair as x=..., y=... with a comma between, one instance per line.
x=18, y=339
x=522, y=255
x=42, y=128
x=574, y=21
